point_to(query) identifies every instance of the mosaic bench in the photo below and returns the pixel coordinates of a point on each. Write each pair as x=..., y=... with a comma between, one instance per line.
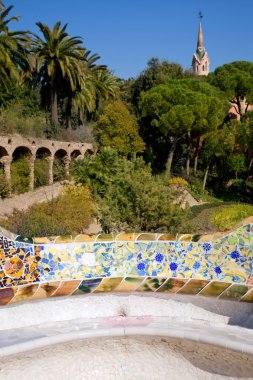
x=213, y=266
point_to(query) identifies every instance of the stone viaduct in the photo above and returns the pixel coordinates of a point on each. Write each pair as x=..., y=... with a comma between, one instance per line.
x=13, y=146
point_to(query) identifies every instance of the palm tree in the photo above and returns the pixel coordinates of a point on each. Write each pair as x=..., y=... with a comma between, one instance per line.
x=13, y=49
x=84, y=99
x=84, y=95
x=99, y=84
x=57, y=60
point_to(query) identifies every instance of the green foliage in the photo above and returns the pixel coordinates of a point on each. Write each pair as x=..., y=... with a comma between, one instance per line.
x=13, y=50
x=20, y=171
x=4, y=186
x=97, y=171
x=200, y=218
x=157, y=72
x=129, y=197
x=237, y=163
x=15, y=119
x=180, y=109
x=58, y=169
x=70, y=213
x=235, y=79
x=41, y=172
x=118, y=129
x=230, y=216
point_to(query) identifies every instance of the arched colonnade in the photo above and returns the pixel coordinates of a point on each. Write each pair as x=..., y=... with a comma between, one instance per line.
x=13, y=147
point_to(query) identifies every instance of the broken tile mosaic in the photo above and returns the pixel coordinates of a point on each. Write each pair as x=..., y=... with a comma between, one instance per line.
x=213, y=266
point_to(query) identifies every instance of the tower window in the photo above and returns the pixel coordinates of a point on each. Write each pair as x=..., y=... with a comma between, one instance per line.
x=203, y=68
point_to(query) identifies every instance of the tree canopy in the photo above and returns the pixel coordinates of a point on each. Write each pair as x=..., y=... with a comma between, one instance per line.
x=236, y=80
x=118, y=129
x=180, y=108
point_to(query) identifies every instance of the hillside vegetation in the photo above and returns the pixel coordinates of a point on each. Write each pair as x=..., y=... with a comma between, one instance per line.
x=166, y=123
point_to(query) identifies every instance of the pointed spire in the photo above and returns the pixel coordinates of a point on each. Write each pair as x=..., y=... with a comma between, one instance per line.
x=200, y=37
x=200, y=61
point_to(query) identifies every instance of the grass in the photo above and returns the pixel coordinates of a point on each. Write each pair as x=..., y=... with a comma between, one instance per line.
x=228, y=217
x=212, y=217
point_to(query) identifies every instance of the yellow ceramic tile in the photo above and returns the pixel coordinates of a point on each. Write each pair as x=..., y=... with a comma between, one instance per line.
x=149, y=237
x=125, y=237
x=25, y=292
x=63, y=239
x=248, y=297
x=66, y=288
x=172, y=285
x=105, y=237
x=129, y=284
x=85, y=238
x=193, y=287
x=108, y=284
x=168, y=237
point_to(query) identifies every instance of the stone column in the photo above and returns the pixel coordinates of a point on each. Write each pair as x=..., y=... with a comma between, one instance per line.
x=31, y=176
x=7, y=168
x=66, y=161
x=7, y=171
x=50, y=170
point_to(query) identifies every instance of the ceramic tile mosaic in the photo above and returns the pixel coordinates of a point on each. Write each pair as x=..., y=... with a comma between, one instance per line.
x=172, y=285
x=151, y=284
x=129, y=284
x=214, y=289
x=88, y=286
x=210, y=265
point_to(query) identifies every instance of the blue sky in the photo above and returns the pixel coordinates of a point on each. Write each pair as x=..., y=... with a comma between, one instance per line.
x=127, y=33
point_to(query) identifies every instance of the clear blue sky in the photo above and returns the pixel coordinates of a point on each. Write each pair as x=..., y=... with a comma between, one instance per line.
x=127, y=33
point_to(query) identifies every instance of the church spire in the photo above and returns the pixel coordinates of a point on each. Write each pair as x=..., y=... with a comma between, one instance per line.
x=200, y=37
x=200, y=62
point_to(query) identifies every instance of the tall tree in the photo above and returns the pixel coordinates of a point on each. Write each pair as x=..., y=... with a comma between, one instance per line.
x=236, y=80
x=157, y=72
x=118, y=129
x=218, y=145
x=13, y=49
x=98, y=84
x=57, y=60
x=180, y=109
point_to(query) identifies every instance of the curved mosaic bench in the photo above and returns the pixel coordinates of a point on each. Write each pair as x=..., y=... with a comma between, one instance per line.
x=217, y=266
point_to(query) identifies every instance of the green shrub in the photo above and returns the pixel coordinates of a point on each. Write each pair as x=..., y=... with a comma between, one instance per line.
x=228, y=217
x=4, y=186
x=196, y=210
x=20, y=171
x=70, y=213
x=129, y=197
x=58, y=169
x=41, y=172
x=14, y=119
x=118, y=128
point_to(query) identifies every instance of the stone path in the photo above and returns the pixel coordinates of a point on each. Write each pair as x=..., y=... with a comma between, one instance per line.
x=23, y=201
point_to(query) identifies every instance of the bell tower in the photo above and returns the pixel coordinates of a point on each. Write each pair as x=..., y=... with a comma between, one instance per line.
x=200, y=61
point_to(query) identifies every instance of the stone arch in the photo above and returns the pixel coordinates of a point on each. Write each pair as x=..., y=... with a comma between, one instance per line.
x=42, y=167
x=3, y=152
x=89, y=152
x=21, y=151
x=60, y=164
x=75, y=154
x=22, y=169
